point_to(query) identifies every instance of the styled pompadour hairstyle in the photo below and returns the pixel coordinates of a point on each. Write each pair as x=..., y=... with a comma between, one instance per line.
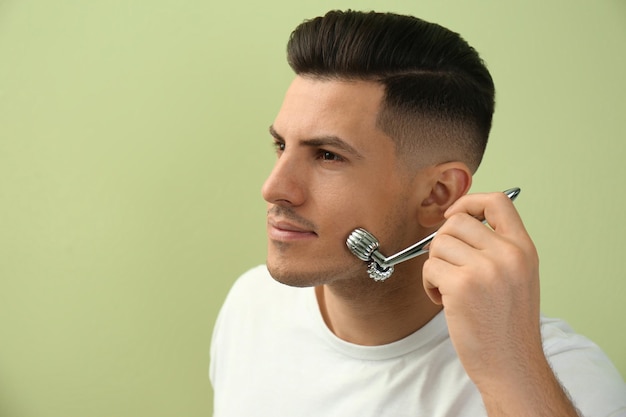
x=438, y=91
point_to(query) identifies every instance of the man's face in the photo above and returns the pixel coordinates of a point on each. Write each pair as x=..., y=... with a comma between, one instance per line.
x=335, y=171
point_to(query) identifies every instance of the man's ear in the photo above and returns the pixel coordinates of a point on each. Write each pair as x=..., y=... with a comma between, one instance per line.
x=450, y=181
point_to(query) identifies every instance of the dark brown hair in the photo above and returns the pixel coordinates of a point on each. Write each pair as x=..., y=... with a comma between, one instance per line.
x=438, y=92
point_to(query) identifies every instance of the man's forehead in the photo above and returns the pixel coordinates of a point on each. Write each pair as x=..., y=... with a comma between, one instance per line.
x=315, y=103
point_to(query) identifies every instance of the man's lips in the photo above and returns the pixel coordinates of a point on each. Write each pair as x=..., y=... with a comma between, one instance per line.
x=278, y=229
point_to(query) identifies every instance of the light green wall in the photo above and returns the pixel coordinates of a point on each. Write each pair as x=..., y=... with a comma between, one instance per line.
x=133, y=145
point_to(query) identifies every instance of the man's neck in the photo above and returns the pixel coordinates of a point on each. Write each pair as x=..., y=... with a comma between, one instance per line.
x=376, y=313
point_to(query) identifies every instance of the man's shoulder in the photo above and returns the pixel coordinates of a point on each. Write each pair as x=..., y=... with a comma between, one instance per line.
x=559, y=336
x=564, y=347
x=256, y=280
x=256, y=286
x=580, y=364
x=257, y=304
x=255, y=277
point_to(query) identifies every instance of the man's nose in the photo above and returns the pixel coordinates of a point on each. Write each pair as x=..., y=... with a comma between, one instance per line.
x=285, y=184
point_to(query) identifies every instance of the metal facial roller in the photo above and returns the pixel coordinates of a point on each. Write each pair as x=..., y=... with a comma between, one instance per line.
x=365, y=247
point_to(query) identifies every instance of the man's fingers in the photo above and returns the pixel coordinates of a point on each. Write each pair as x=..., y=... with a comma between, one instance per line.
x=496, y=208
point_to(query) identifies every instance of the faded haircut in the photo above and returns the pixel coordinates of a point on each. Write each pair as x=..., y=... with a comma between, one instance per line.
x=439, y=95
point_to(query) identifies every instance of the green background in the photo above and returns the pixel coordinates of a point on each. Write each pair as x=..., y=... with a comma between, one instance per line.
x=133, y=145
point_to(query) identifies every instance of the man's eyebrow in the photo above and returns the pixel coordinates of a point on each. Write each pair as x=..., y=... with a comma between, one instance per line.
x=322, y=141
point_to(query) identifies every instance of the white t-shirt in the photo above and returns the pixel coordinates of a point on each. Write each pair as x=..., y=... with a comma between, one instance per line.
x=272, y=355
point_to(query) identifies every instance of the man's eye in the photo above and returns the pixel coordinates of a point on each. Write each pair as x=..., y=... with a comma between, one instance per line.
x=279, y=146
x=329, y=156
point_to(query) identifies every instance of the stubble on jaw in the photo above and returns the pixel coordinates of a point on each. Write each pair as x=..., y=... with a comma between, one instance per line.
x=313, y=272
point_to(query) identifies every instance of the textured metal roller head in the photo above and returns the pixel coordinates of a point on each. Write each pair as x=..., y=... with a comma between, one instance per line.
x=377, y=272
x=362, y=244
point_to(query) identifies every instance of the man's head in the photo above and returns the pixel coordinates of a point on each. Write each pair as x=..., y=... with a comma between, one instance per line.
x=382, y=127
x=439, y=96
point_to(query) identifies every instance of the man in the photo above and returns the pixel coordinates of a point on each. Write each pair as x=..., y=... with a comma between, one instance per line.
x=382, y=128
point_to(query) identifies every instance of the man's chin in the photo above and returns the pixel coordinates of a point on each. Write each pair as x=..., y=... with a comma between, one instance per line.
x=295, y=277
